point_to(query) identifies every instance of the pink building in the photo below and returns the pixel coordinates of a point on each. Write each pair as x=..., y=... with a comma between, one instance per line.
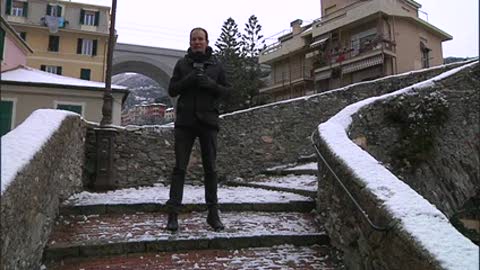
x=13, y=49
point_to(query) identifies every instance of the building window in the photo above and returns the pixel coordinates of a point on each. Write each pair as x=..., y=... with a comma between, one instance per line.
x=87, y=47
x=54, y=10
x=53, y=43
x=52, y=69
x=85, y=74
x=425, y=51
x=17, y=8
x=89, y=17
x=69, y=106
x=7, y=113
x=23, y=35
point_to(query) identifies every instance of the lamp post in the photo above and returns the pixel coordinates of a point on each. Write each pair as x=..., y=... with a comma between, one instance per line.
x=105, y=134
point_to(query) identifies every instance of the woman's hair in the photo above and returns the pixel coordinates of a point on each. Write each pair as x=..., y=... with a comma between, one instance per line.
x=201, y=29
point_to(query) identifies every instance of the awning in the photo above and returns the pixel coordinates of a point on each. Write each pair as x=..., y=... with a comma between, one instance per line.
x=323, y=75
x=369, y=62
x=318, y=42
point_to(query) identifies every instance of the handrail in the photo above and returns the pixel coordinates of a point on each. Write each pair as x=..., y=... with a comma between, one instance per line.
x=363, y=212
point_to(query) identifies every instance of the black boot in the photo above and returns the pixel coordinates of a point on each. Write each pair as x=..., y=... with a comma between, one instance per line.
x=172, y=224
x=213, y=219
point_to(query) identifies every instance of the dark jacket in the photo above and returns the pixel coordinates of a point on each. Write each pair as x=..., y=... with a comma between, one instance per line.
x=196, y=103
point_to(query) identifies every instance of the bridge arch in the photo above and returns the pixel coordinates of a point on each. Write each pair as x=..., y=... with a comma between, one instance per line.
x=154, y=62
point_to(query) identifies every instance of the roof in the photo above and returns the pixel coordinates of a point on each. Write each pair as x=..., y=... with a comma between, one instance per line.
x=28, y=75
x=84, y=3
x=432, y=28
x=9, y=29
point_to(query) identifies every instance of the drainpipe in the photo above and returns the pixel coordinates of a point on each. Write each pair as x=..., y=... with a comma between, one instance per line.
x=394, y=41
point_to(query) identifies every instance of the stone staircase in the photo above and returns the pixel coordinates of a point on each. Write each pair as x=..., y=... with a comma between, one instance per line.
x=270, y=224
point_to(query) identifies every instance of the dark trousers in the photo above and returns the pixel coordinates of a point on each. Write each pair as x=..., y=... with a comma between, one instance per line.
x=184, y=139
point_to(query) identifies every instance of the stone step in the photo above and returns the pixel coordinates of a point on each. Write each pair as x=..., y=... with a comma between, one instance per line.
x=159, y=194
x=276, y=257
x=114, y=234
x=307, y=158
x=295, y=169
x=305, y=185
x=131, y=208
x=152, y=199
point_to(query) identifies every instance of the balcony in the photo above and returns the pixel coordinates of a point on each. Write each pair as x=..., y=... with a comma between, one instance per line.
x=53, y=22
x=345, y=57
x=279, y=50
x=286, y=79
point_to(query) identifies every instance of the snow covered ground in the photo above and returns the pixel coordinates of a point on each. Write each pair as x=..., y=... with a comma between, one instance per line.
x=192, y=194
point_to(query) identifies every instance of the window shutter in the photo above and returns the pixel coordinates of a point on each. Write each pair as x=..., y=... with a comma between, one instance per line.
x=8, y=8
x=57, y=43
x=79, y=46
x=25, y=9
x=85, y=74
x=82, y=16
x=2, y=42
x=97, y=18
x=94, y=51
x=59, y=11
x=43, y=67
x=50, y=43
x=59, y=70
x=49, y=9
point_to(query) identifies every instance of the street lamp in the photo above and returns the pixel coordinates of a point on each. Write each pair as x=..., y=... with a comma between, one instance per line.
x=105, y=134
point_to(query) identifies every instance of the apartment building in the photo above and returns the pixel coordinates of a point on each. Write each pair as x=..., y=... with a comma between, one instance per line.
x=353, y=41
x=67, y=38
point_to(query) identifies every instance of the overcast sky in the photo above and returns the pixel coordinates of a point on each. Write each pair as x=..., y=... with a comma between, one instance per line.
x=167, y=23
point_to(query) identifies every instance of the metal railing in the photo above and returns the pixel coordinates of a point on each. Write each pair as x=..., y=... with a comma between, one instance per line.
x=349, y=194
x=297, y=73
x=356, y=49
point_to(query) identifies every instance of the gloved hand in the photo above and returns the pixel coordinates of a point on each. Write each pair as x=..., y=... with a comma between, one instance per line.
x=190, y=79
x=206, y=82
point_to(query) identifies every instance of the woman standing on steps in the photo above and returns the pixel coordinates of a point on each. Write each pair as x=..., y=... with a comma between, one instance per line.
x=199, y=81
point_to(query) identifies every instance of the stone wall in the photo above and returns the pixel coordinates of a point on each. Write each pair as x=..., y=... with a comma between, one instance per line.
x=364, y=248
x=431, y=139
x=439, y=159
x=30, y=203
x=249, y=140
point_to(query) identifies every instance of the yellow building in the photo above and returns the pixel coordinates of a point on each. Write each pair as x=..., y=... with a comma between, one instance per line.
x=67, y=38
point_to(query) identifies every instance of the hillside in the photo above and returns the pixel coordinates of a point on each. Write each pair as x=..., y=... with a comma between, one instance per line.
x=143, y=90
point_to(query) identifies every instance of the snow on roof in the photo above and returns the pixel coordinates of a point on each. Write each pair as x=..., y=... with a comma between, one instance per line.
x=20, y=145
x=31, y=75
x=428, y=226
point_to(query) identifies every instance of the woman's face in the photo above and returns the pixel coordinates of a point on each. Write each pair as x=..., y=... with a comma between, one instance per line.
x=198, y=41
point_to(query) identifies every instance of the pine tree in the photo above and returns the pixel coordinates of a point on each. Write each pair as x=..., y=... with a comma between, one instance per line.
x=240, y=59
x=228, y=44
x=252, y=45
x=229, y=48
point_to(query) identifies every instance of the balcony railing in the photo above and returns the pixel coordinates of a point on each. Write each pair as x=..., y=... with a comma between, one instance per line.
x=357, y=48
x=272, y=48
x=295, y=74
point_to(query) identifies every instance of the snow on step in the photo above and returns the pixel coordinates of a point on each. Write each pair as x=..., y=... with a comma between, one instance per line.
x=192, y=194
x=276, y=257
x=301, y=182
x=294, y=167
x=308, y=166
x=114, y=228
